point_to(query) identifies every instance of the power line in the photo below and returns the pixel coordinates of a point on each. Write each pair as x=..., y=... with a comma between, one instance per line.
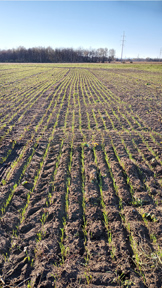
x=122, y=45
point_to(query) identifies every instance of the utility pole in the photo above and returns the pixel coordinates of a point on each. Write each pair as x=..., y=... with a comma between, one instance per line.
x=122, y=45
x=160, y=53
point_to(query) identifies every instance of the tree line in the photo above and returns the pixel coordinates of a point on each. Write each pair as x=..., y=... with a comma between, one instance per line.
x=58, y=55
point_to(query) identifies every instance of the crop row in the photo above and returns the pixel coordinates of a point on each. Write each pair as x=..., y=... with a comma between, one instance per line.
x=81, y=184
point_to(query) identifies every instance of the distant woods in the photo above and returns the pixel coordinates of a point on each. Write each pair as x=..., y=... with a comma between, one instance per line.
x=49, y=55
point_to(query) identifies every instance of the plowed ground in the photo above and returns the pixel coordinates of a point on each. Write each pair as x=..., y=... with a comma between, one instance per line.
x=81, y=177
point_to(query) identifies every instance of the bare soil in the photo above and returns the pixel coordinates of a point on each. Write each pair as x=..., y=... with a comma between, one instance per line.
x=81, y=177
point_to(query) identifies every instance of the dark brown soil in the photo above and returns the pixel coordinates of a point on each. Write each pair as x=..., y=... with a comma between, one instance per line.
x=81, y=177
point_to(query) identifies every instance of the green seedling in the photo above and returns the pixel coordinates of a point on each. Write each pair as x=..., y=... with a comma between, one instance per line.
x=149, y=216
x=153, y=238
x=24, y=182
x=88, y=278
x=3, y=182
x=137, y=202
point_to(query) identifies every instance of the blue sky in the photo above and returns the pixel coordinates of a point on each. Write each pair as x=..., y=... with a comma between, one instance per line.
x=83, y=24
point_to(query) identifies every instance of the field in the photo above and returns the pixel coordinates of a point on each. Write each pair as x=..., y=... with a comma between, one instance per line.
x=81, y=175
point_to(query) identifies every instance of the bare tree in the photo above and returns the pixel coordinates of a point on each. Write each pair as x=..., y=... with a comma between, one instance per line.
x=111, y=54
x=50, y=55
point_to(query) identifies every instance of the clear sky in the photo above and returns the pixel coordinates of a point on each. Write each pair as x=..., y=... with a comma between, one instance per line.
x=95, y=24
